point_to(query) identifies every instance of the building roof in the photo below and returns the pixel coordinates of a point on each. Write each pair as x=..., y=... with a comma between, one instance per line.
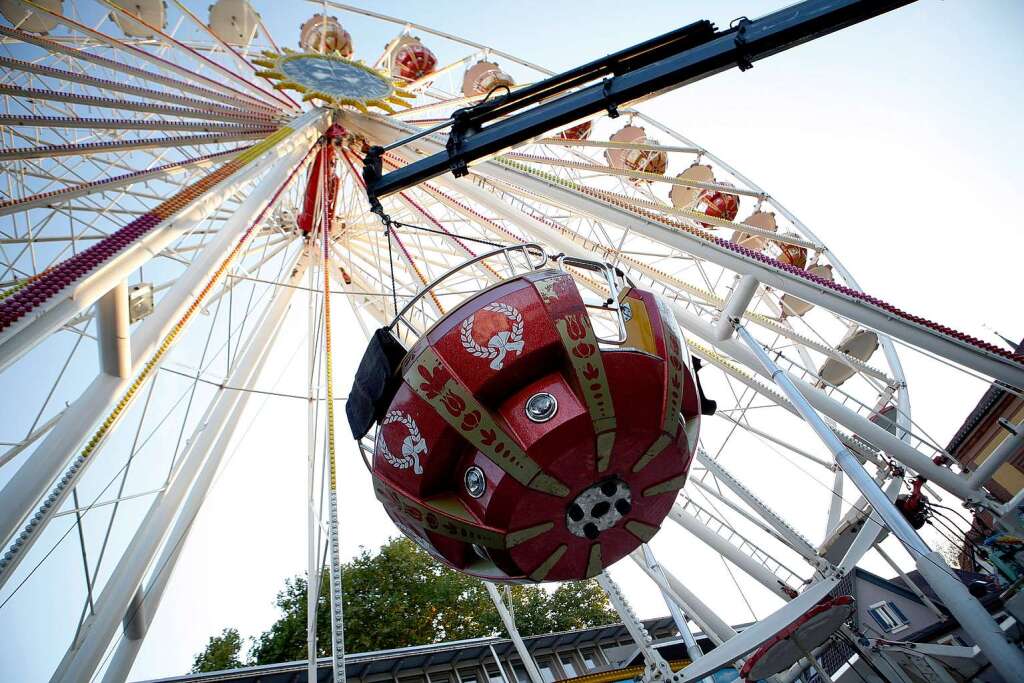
x=474, y=650
x=967, y=578
x=893, y=585
x=361, y=664
x=991, y=601
x=990, y=398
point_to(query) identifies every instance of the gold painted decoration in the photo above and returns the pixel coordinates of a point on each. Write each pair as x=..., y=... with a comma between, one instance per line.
x=644, y=532
x=515, y=538
x=333, y=80
x=432, y=382
x=580, y=342
x=594, y=564
x=414, y=514
x=546, y=566
x=676, y=363
x=673, y=484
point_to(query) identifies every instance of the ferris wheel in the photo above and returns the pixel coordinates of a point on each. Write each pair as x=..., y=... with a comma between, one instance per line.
x=174, y=184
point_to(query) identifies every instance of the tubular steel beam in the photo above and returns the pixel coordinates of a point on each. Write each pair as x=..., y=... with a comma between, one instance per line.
x=749, y=639
x=48, y=199
x=35, y=475
x=1005, y=657
x=678, y=617
x=191, y=74
x=852, y=304
x=215, y=93
x=209, y=451
x=50, y=151
x=125, y=87
x=691, y=53
x=513, y=633
x=50, y=316
x=655, y=664
x=130, y=105
x=185, y=493
x=249, y=87
x=130, y=124
x=113, y=331
x=794, y=538
x=230, y=51
x=714, y=627
x=750, y=566
x=1012, y=444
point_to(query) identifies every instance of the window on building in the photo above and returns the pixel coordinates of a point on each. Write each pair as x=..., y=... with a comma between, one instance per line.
x=417, y=678
x=590, y=660
x=568, y=665
x=493, y=675
x=469, y=675
x=520, y=670
x=888, y=616
x=547, y=670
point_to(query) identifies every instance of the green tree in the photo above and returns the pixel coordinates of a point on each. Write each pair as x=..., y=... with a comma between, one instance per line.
x=222, y=652
x=400, y=596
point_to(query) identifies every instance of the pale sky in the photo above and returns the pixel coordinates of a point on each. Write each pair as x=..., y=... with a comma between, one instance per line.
x=897, y=142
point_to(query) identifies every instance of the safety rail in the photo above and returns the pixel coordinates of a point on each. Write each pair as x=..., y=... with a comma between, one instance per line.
x=535, y=258
x=525, y=249
x=798, y=371
x=735, y=538
x=798, y=541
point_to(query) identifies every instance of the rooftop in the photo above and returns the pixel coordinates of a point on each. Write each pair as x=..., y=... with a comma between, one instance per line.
x=990, y=398
x=362, y=664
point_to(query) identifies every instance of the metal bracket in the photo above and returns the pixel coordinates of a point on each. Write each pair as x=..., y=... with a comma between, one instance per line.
x=611, y=106
x=462, y=128
x=372, y=170
x=743, y=57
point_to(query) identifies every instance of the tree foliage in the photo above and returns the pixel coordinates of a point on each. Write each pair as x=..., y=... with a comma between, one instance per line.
x=222, y=652
x=400, y=596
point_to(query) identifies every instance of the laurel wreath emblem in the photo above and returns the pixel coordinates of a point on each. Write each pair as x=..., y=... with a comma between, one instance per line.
x=496, y=348
x=412, y=446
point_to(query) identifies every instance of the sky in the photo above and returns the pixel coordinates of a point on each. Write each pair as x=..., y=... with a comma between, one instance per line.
x=896, y=141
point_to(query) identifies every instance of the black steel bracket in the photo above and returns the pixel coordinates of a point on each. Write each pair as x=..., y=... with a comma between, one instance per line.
x=743, y=58
x=373, y=168
x=462, y=128
x=610, y=106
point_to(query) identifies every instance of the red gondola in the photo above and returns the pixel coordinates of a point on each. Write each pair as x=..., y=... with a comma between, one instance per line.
x=515, y=444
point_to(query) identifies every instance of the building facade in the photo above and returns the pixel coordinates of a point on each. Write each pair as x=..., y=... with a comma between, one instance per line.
x=559, y=656
x=889, y=610
x=981, y=433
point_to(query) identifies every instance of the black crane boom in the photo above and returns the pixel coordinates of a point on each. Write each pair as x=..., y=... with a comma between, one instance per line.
x=682, y=56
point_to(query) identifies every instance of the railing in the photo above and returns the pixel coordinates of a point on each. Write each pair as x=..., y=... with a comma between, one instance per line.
x=795, y=537
x=533, y=257
x=925, y=443
x=721, y=528
x=526, y=250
